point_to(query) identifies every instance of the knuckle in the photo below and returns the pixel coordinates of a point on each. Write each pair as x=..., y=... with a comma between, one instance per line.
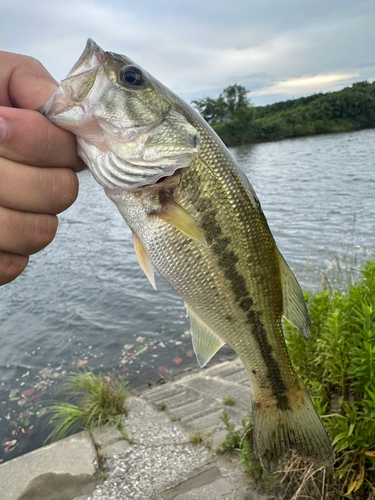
x=11, y=266
x=41, y=230
x=31, y=61
x=65, y=189
x=35, y=68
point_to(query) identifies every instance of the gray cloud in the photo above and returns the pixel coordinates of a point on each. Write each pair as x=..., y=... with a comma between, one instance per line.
x=197, y=48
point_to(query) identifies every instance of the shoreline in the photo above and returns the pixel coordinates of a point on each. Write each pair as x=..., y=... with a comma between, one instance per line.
x=24, y=428
x=280, y=139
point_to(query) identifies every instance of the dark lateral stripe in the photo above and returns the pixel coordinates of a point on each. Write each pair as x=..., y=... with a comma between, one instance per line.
x=227, y=260
x=273, y=369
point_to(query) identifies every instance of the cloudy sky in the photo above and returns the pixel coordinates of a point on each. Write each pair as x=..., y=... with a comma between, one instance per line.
x=277, y=49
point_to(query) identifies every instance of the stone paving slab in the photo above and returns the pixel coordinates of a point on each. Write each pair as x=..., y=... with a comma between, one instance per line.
x=195, y=485
x=59, y=471
x=221, y=488
x=196, y=400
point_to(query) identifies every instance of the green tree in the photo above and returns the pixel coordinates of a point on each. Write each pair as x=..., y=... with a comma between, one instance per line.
x=235, y=97
x=212, y=110
x=232, y=99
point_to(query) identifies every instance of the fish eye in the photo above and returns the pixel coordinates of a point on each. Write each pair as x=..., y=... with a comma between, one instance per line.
x=131, y=76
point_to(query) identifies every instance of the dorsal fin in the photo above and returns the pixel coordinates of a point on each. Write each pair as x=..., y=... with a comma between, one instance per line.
x=143, y=260
x=178, y=217
x=294, y=305
x=205, y=342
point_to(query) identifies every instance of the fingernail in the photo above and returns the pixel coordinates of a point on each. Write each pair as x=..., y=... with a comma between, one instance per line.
x=3, y=129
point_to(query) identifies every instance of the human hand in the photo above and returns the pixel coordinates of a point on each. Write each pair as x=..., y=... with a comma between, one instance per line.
x=37, y=164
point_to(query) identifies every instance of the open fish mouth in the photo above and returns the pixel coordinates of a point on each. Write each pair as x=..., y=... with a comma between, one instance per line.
x=91, y=57
x=66, y=97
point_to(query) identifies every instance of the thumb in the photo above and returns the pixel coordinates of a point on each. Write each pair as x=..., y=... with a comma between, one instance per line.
x=24, y=82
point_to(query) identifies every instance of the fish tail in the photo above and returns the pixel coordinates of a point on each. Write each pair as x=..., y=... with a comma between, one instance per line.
x=279, y=432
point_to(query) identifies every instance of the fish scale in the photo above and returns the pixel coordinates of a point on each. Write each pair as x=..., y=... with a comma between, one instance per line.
x=197, y=220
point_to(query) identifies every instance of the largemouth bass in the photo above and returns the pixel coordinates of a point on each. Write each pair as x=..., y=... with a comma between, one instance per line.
x=196, y=219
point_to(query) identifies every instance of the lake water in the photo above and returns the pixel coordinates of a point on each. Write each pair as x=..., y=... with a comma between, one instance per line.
x=84, y=300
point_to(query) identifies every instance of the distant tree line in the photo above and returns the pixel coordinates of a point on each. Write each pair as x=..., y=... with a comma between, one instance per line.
x=236, y=121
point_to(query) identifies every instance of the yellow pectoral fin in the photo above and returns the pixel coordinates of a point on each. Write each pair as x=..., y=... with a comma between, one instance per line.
x=178, y=217
x=143, y=260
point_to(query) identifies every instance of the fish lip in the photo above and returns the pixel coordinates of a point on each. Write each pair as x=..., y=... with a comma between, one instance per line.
x=92, y=56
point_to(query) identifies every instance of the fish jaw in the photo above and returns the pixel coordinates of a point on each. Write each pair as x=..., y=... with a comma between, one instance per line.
x=127, y=137
x=63, y=106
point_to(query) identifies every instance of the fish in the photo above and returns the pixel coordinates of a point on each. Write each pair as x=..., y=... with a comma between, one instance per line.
x=196, y=219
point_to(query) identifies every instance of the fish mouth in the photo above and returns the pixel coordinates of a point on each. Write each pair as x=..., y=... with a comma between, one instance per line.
x=74, y=88
x=91, y=57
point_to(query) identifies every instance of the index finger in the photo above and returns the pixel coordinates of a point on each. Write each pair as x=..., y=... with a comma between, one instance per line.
x=24, y=82
x=29, y=138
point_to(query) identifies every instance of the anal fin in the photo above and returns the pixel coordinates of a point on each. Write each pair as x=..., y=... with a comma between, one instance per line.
x=175, y=215
x=205, y=342
x=143, y=260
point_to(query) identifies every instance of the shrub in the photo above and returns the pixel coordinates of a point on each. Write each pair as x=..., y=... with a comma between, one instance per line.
x=338, y=365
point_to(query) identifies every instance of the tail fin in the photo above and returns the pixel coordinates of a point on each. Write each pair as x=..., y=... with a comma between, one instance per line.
x=278, y=433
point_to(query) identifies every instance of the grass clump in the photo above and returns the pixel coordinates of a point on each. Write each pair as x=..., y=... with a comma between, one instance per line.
x=100, y=400
x=200, y=437
x=161, y=406
x=229, y=401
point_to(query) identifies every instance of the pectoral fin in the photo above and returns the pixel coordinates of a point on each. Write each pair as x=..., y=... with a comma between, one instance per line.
x=143, y=260
x=294, y=305
x=205, y=342
x=179, y=218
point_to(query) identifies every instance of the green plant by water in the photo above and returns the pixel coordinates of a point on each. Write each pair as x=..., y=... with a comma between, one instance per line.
x=97, y=400
x=337, y=364
x=241, y=440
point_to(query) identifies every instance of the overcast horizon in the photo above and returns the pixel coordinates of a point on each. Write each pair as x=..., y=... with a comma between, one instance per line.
x=277, y=49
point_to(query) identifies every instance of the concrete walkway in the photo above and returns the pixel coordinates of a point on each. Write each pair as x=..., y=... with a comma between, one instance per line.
x=160, y=463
